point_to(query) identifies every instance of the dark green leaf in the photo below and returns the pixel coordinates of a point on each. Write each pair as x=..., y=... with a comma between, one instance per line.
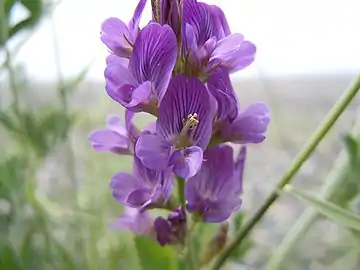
x=8, y=258
x=35, y=8
x=352, y=147
x=154, y=257
x=240, y=251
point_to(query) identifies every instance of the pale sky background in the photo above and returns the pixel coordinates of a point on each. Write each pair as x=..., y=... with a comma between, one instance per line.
x=293, y=36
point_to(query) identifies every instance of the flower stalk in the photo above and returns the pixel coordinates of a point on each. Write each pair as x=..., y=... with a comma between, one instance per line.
x=297, y=163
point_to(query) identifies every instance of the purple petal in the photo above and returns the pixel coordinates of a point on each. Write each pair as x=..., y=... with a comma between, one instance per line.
x=250, y=125
x=114, y=123
x=212, y=191
x=232, y=52
x=129, y=116
x=185, y=96
x=116, y=36
x=224, y=29
x=107, y=140
x=220, y=87
x=219, y=211
x=138, y=197
x=119, y=83
x=242, y=58
x=121, y=87
x=239, y=168
x=118, y=75
x=154, y=56
x=187, y=162
x=122, y=184
x=199, y=16
x=133, y=220
x=114, y=59
x=156, y=185
x=153, y=151
x=226, y=47
x=140, y=94
x=134, y=23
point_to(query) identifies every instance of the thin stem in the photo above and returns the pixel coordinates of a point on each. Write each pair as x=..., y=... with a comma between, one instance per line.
x=190, y=252
x=12, y=81
x=181, y=188
x=334, y=181
x=302, y=156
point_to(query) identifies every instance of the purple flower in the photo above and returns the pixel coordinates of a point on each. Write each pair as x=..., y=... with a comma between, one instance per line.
x=134, y=220
x=248, y=127
x=142, y=84
x=213, y=193
x=171, y=230
x=220, y=87
x=183, y=129
x=143, y=188
x=119, y=37
x=116, y=137
x=208, y=42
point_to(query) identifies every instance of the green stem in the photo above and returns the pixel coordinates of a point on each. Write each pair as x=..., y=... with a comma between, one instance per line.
x=334, y=181
x=302, y=156
x=190, y=253
x=12, y=80
x=181, y=189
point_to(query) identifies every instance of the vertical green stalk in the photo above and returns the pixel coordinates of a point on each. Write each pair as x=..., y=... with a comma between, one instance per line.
x=333, y=183
x=295, y=166
x=190, y=252
x=3, y=24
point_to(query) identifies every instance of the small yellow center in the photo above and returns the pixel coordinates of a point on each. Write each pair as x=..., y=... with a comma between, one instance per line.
x=189, y=126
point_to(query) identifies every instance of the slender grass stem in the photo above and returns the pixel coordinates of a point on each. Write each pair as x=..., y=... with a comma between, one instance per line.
x=295, y=166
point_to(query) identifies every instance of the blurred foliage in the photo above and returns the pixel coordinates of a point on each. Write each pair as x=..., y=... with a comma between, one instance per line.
x=351, y=184
x=153, y=257
x=328, y=209
x=35, y=10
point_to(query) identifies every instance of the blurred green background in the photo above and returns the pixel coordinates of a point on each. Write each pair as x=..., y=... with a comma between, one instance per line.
x=55, y=204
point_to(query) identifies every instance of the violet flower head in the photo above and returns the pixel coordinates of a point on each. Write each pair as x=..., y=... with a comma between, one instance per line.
x=116, y=137
x=213, y=193
x=177, y=68
x=140, y=223
x=119, y=37
x=208, y=42
x=171, y=230
x=142, y=189
x=141, y=84
x=183, y=129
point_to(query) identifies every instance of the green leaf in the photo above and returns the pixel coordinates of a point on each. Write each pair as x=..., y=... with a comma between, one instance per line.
x=3, y=22
x=240, y=251
x=330, y=210
x=352, y=148
x=8, y=258
x=152, y=256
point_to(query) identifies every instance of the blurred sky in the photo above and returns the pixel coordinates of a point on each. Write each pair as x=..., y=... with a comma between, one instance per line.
x=294, y=36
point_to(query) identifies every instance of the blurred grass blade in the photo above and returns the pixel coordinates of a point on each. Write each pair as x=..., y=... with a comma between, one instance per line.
x=8, y=258
x=352, y=147
x=330, y=210
x=3, y=23
x=154, y=257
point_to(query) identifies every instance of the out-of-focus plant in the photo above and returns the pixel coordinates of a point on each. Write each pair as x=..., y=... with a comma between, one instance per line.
x=27, y=239
x=35, y=10
x=341, y=187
